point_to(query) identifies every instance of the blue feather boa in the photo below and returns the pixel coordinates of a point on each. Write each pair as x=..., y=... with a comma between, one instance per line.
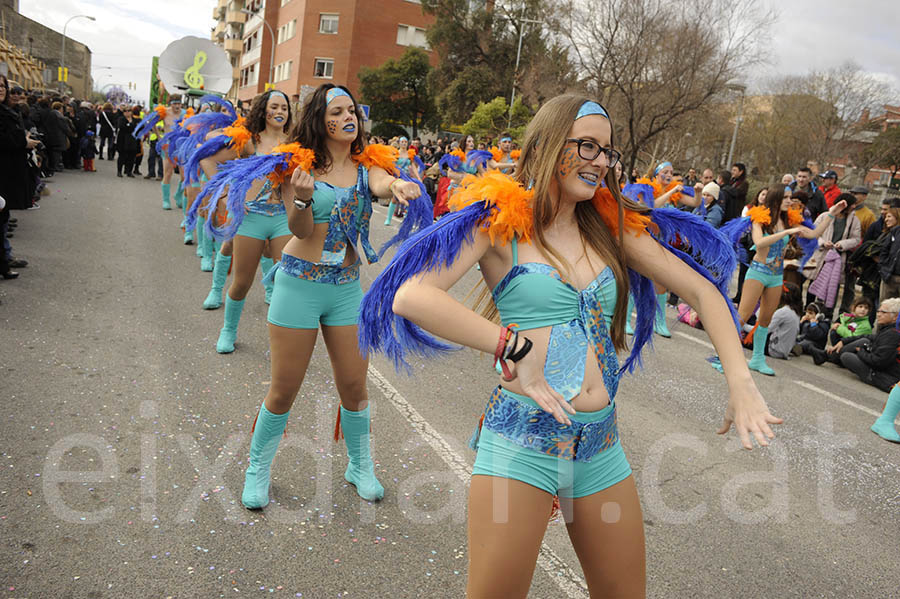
x=449, y=161
x=146, y=125
x=478, y=158
x=435, y=247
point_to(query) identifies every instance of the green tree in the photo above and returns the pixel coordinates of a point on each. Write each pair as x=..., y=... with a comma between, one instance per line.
x=398, y=91
x=489, y=119
x=477, y=44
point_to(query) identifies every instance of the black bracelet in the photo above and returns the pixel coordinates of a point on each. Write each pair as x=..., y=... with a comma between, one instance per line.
x=526, y=347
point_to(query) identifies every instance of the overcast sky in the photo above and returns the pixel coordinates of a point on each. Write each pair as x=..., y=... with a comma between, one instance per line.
x=809, y=34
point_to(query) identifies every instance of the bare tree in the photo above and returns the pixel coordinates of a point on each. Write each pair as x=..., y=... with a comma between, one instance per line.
x=655, y=64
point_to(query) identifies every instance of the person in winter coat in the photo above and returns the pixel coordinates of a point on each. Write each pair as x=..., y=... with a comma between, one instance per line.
x=711, y=211
x=889, y=262
x=126, y=144
x=873, y=358
x=56, y=139
x=107, y=132
x=785, y=324
x=14, y=145
x=813, y=330
x=842, y=235
x=88, y=151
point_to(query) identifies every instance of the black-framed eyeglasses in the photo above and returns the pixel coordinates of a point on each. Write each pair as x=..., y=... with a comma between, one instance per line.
x=589, y=149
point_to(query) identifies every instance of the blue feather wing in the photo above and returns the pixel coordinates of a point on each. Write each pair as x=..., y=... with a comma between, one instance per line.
x=640, y=193
x=146, y=125
x=228, y=106
x=476, y=158
x=449, y=161
x=437, y=246
x=807, y=245
x=419, y=215
x=209, y=148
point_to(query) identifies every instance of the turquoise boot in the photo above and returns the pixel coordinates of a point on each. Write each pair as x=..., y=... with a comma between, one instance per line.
x=659, y=326
x=758, y=361
x=628, y=328
x=200, y=237
x=266, y=264
x=267, y=434
x=361, y=469
x=391, y=207
x=220, y=274
x=166, y=193
x=228, y=334
x=884, y=426
x=179, y=196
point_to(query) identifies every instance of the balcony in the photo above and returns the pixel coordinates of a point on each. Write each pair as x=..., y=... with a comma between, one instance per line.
x=219, y=30
x=236, y=72
x=234, y=17
x=250, y=56
x=222, y=4
x=217, y=13
x=233, y=45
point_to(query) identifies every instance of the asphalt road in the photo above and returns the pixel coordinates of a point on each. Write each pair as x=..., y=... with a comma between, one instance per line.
x=125, y=438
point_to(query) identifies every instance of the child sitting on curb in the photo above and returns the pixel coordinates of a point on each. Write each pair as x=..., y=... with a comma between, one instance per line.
x=853, y=323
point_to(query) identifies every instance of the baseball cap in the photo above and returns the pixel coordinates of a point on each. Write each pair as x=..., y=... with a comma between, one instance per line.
x=861, y=189
x=829, y=175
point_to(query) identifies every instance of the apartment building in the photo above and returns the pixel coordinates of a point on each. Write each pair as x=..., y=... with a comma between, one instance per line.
x=318, y=41
x=229, y=33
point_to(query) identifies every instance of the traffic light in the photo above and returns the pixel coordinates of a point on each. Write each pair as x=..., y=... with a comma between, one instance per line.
x=63, y=74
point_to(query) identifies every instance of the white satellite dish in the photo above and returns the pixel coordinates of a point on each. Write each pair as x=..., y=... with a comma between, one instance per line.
x=194, y=63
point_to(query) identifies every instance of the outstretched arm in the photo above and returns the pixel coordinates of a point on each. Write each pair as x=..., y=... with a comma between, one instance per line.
x=746, y=408
x=832, y=213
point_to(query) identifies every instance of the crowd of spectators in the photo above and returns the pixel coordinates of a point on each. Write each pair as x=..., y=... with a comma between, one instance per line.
x=45, y=133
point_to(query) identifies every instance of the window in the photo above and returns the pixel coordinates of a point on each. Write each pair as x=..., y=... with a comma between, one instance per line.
x=324, y=68
x=328, y=23
x=407, y=35
x=286, y=31
x=283, y=2
x=283, y=71
x=253, y=77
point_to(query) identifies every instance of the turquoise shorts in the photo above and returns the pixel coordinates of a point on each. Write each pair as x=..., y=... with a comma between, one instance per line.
x=261, y=226
x=764, y=276
x=308, y=294
x=500, y=457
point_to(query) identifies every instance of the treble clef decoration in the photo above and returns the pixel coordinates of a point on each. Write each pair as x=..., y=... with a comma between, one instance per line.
x=192, y=75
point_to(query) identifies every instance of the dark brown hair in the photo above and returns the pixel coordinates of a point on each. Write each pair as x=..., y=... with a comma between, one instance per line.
x=310, y=130
x=256, y=122
x=774, y=198
x=5, y=84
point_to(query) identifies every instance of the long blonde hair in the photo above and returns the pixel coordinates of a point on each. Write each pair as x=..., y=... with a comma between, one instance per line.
x=544, y=140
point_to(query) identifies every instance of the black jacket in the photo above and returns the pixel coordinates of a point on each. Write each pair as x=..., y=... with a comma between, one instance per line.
x=107, y=123
x=887, y=259
x=125, y=141
x=13, y=160
x=881, y=354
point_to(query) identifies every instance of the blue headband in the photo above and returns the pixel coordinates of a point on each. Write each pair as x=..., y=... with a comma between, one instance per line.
x=660, y=167
x=278, y=91
x=502, y=139
x=335, y=92
x=403, y=139
x=589, y=108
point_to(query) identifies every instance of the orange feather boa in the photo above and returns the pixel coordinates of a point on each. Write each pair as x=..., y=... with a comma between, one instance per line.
x=411, y=154
x=515, y=217
x=496, y=154
x=760, y=215
x=239, y=134
x=514, y=154
x=301, y=158
x=378, y=155
x=161, y=111
x=658, y=189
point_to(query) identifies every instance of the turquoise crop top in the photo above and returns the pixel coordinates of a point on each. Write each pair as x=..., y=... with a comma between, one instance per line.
x=324, y=197
x=533, y=295
x=774, y=264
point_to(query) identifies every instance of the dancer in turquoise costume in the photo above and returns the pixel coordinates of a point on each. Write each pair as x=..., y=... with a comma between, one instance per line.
x=560, y=249
x=317, y=284
x=884, y=426
x=261, y=213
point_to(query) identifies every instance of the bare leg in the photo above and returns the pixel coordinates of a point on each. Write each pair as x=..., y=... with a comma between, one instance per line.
x=291, y=351
x=507, y=521
x=247, y=252
x=607, y=532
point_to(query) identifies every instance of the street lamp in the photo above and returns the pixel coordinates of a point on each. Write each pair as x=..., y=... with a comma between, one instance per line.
x=512, y=96
x=738, y=87
x=63, y=61
x=272, y=35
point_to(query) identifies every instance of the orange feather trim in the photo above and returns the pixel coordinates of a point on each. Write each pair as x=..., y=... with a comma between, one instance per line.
x=301, y=158
x=190, y=112
x=378, y=155
x=411, y=154
x=608, y=208
x=459, y=154
x=658, y=189
x=515, y=154
x=496, y=154
x=239, y=134
x=795, y=217
x=514, y=216
x=760, y=215
x=161, y=111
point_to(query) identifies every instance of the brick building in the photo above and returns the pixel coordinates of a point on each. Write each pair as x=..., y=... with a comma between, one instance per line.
x=854, y=144
x=228, y=33
x=318, y=41
x=45, y=45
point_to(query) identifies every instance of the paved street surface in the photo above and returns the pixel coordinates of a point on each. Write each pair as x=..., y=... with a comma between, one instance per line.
x=125, y=438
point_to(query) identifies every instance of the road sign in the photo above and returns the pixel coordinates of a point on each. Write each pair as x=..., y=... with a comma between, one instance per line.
x=365, y=111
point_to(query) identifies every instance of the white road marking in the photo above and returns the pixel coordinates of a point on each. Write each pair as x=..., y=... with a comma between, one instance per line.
x=695, y=340
x=569, y=581
x=803, y=384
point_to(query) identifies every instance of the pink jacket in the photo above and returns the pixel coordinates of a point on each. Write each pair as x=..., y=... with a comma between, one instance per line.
x=826, y=284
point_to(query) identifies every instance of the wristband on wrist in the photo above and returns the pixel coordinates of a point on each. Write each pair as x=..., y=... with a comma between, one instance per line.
x=512, y=340
x=302, y=204
x=498, y=353
x=523, y=351
x=830, y=214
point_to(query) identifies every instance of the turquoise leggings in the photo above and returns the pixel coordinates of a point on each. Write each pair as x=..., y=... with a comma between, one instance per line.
x=557, y=476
